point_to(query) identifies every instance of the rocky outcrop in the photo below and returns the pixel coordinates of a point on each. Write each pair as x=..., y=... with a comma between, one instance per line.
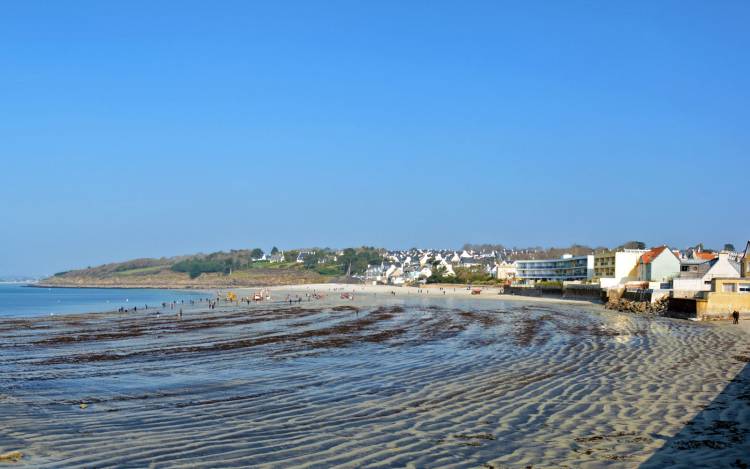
x=658, y=307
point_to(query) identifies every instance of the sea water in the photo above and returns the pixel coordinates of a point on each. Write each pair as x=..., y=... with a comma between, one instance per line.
x=25, y=301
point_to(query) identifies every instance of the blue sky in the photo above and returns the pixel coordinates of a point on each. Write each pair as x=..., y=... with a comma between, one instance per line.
x=140, y=128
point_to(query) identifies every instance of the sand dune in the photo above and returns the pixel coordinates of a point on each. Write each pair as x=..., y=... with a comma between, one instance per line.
x=375, y=382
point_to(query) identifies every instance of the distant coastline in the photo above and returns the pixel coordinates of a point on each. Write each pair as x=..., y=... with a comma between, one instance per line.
x=118, y=287
x=184, y=284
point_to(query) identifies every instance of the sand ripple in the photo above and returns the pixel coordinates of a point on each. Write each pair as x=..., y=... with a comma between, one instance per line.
x=407, y=383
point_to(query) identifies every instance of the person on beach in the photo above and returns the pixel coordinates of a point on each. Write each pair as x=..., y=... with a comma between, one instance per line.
x=735, y=317
x=179, y=315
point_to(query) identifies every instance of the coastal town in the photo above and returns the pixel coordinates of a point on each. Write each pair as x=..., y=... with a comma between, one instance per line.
x=696, y=282
x=689, y=283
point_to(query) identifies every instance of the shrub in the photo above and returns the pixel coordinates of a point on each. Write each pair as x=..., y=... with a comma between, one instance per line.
x=196, y=267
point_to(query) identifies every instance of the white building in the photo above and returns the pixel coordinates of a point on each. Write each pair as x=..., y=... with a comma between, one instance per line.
x=699, y=279
x=626, y=268
x=505, y=270
x=567, y=268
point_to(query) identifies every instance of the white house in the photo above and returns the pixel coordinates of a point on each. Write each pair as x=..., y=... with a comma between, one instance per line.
x=658, y=265
x=278, y=257
x=469, y=262
x=699, y=278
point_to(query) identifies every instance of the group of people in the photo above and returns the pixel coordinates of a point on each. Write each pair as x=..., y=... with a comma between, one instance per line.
x=297, y=299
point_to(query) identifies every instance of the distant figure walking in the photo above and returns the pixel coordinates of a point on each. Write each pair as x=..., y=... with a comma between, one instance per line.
x=735, y=317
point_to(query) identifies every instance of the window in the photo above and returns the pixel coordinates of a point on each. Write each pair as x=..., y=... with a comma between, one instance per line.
x=728, y=288
x=745, y=287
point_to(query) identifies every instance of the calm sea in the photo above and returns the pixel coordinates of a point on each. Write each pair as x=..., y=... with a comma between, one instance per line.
x=23, y=301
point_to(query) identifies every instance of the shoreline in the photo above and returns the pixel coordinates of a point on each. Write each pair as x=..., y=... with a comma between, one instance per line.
x=431, y=291
x=335, y=289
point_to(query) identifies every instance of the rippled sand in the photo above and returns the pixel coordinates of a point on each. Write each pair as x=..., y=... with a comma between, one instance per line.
x=374, y=382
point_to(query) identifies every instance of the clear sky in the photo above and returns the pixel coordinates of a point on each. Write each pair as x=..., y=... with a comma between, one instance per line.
x=142, y=128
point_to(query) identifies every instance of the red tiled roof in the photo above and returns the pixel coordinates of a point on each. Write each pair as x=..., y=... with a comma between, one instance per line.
x=647, y=257
x=706, y=256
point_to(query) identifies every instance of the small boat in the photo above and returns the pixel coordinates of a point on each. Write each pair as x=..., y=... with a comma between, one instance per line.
x=347, y=296
x=476, y=291
x=257, y=297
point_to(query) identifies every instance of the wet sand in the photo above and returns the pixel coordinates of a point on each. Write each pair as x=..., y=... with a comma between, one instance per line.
x=378, y=381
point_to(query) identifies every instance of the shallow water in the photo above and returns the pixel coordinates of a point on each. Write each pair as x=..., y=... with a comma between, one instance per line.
x=25, y=301
x=364, y=383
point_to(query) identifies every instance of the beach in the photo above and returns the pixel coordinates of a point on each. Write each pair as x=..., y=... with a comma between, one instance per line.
x=411, y=379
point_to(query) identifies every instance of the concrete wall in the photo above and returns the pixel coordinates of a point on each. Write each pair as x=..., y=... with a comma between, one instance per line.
x=608, y=282
x=534, y=291
x=683, y=308
x=582, y=292
x=690, y=284
x=686, y=294
x=718, y=303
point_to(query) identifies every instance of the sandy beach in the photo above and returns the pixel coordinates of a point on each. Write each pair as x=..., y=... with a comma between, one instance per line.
x=415, y=379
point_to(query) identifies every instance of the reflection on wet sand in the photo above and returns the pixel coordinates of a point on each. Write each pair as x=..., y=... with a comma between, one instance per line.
x=370, y=382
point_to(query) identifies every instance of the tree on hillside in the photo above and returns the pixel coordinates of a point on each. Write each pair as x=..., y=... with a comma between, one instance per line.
x=633, y=245
x=729, y=247
x=274, y=250
x=311, y=261
x=256, y=253
x=356, y=261
x=196, y=267
x=291, y=256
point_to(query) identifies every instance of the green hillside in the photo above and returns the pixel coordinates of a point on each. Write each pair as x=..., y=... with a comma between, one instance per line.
x=223, y=269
